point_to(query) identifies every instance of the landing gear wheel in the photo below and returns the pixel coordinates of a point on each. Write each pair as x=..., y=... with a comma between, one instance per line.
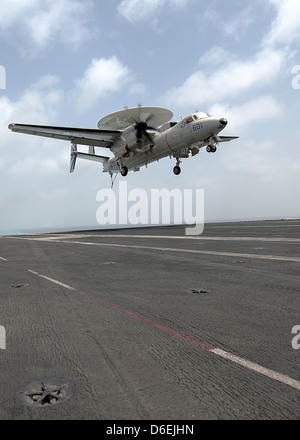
x=211, y=148
x=124, y=171
x=177, y=170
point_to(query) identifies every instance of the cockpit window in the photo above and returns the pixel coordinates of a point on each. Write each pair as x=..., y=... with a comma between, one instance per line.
x=194, y=117
x=202, y=115
x=189, y=119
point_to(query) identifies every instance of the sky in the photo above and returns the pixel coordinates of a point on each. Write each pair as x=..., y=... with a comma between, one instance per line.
x=71, y=62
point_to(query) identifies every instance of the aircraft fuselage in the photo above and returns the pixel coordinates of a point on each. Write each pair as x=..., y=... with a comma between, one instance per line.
x=187, y=136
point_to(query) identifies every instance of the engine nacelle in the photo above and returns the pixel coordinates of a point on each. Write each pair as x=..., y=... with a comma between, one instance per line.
x=195, y=151
x=184, y=154
x=121, y=151
x=127, y=143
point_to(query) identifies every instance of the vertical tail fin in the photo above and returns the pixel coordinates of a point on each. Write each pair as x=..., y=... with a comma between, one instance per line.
x=73, y=157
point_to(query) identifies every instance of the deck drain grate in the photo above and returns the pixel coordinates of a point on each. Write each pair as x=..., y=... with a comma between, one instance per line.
x=45, y=392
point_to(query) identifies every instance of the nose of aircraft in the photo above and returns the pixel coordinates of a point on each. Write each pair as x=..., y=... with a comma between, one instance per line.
x=223, y=122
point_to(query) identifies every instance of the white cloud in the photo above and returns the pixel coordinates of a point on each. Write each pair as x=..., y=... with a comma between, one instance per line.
x=46, y=82
x=223, y=76
x=257, y=110
x=21, y=154
x=38, y=104
x=216, y=56
x=286, y=27
x=39, y=190
x=14, y=11
x=228, y=81
x=237, y=26
x=252, y=180
x=40, y=22
x=103, y=76
x=136, y=10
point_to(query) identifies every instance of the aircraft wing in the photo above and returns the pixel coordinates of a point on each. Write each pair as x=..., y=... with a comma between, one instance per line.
x=81, y=136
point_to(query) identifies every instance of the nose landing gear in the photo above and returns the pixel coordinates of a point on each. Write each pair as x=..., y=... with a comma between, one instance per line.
x=177, y=169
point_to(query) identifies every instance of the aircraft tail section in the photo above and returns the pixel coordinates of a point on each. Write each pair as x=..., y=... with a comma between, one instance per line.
x=89, y=156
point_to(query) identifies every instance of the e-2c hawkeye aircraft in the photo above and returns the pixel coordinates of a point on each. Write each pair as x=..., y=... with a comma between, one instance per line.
x=138, y=136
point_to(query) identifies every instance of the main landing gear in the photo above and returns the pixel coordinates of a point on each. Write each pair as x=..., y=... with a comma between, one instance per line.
x=124, y=171
x=211, y=148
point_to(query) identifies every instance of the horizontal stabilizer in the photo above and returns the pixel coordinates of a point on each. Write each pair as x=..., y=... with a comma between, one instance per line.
x=89, y=156
x=227, y=138
x=93, y=157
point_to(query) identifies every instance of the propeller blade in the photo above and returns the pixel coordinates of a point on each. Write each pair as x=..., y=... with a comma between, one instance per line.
x=147, y=135
x=141, y=128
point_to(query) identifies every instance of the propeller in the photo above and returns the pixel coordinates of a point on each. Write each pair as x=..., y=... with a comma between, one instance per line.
x=141, y=127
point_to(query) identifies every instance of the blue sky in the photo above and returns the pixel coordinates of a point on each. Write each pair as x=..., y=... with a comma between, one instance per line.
x=71, y=62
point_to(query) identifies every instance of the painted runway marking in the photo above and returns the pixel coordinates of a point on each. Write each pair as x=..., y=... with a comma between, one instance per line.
x=274, y=375
x=189, y=251
x=258, y=368
x=168, y=249
x=170, y=237
x=202, y=238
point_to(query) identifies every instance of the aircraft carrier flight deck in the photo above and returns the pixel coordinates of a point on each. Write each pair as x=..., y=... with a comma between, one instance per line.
x=151, y=324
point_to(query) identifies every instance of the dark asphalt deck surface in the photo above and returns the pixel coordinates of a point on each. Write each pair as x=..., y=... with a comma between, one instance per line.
x=149, y=324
